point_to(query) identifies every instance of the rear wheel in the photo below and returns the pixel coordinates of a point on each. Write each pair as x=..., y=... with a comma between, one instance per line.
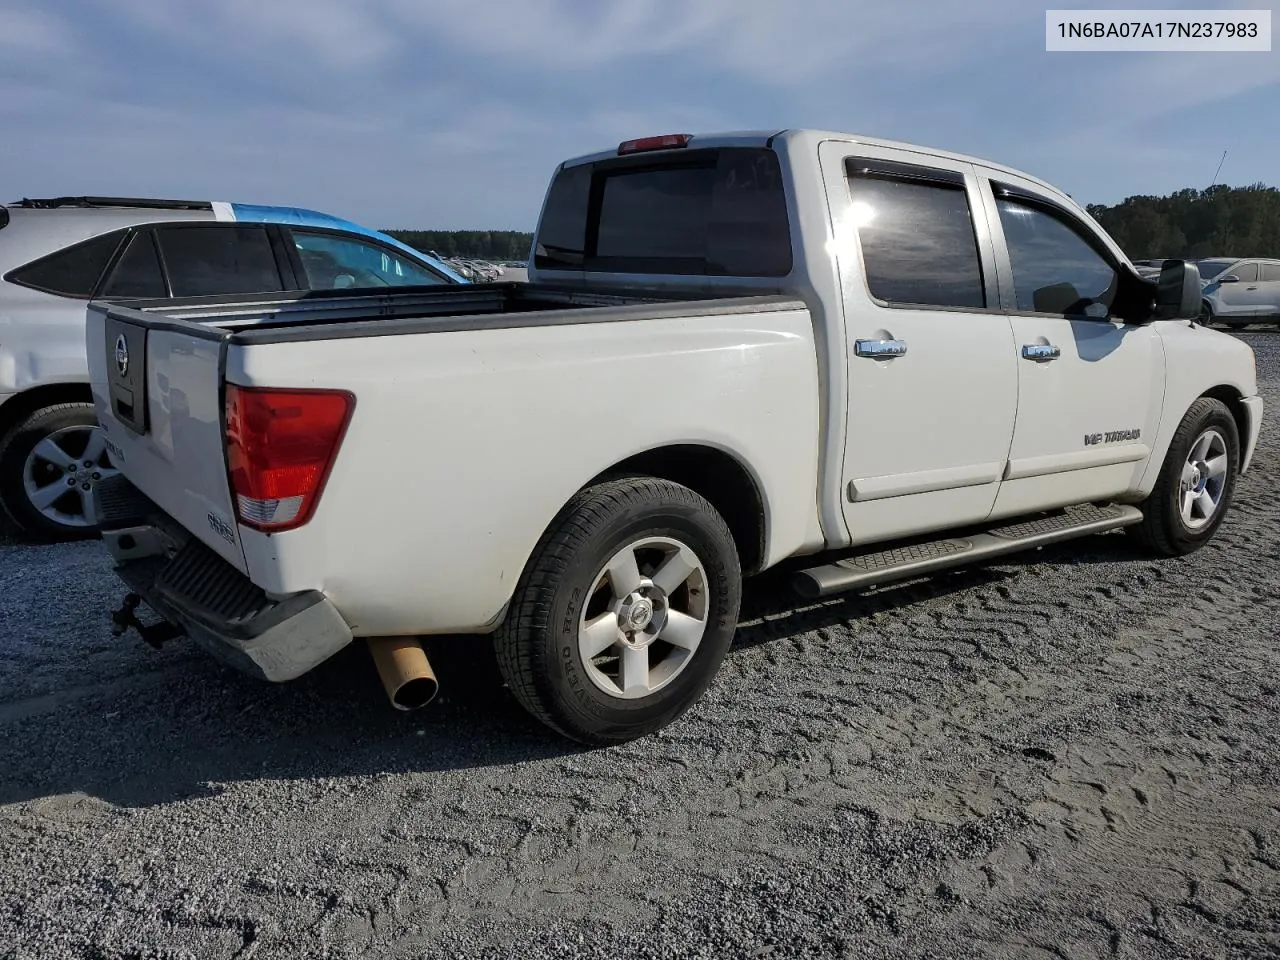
x=625, y=612
x=49, y=464
x=1196, y=483
x=1206, y=318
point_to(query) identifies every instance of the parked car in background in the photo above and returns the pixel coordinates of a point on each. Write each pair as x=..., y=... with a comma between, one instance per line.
x=55, y=254
x=1240, y=291
x=1150, y=269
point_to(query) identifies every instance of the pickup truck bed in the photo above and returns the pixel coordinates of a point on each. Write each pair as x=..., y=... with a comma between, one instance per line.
x=452, y=465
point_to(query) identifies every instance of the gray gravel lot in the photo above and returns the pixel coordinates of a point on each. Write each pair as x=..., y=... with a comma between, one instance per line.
x=1072, y=755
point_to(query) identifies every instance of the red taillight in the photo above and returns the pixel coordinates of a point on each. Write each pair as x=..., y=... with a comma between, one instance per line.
x=280, y=446
x=665, y=142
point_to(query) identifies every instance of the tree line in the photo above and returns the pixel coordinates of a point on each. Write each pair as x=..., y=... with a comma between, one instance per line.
x=469, y=244
x=1221, y=221
x=1188, y=224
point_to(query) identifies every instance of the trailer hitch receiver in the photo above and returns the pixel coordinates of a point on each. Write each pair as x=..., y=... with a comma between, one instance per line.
x=153, y=634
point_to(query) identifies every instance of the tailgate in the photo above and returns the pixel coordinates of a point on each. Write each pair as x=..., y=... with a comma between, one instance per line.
x=157, y=387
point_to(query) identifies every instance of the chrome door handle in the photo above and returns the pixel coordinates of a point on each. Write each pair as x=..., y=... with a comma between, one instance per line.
x=880, y=349
x=1040, y=352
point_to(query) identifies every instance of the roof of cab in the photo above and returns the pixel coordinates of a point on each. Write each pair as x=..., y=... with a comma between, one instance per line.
x=761, y=138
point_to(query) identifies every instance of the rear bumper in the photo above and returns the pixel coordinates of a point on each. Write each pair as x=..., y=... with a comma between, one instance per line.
x=215, y=604
x=1254, y=407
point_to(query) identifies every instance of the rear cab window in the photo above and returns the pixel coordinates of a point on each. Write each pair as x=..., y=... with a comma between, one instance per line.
x=708, y=212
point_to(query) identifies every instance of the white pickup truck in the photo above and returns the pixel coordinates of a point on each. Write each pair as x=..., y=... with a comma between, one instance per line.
x=732, y=351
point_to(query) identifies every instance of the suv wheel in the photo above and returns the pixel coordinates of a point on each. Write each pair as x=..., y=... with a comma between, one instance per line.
x=49, y=464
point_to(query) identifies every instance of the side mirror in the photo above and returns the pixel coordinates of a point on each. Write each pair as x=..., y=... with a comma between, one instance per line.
x=1229, y=278
x=1178, y=291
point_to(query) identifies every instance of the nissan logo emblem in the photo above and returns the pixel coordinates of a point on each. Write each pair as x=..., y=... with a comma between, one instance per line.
x=122, y=355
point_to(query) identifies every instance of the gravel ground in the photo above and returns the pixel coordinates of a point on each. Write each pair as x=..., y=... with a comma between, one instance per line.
x=1072, y=755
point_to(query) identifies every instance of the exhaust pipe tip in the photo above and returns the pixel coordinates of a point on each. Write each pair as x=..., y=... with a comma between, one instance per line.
x=414, y=694
x=405, y=671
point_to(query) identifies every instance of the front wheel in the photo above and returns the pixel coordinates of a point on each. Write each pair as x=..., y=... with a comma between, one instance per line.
x=625, y=612
x=1196, y=483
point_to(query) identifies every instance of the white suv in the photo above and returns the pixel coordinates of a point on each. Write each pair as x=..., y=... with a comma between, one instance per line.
x=56, y=254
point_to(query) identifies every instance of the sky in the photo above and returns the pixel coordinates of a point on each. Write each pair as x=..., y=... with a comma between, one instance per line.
x=448, y=114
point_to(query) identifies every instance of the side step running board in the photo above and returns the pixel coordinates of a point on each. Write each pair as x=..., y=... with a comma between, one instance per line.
x=904, y=562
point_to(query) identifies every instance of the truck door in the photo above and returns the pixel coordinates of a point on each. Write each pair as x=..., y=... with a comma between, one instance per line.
x=933, y=382
x=1090, y=386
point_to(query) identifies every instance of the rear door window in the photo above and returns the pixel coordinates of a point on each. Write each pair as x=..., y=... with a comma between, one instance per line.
x=72, y=271
x=137, y=272
x=1270, y=273
x=917, y=238
x=705, y=212
x=217, y=259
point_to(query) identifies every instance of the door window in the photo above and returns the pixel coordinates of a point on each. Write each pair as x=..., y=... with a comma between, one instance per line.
x=73, y=271
x=216, y=259
x=1270, y=273
x=918, y=243
x=137, y=273
x=1055, y=270
x=1247, y=272
x=339, y=262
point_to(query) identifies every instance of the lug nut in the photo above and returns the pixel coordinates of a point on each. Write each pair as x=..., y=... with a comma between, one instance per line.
x=97, y=476
x=88, y=463
x=84, y=486
x=71, y=481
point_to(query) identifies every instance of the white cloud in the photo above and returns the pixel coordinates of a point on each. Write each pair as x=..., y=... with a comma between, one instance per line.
x=764, y=40
x=31, y=32
x=341, y=33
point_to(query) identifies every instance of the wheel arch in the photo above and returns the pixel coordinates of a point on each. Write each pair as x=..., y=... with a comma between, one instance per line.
x=723, y=479
x=21, y=405
x=1233, y=399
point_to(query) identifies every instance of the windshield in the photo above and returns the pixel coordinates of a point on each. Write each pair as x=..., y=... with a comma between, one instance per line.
x=1211, y=268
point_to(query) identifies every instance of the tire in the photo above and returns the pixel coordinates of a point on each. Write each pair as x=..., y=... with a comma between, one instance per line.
x=47, y=452
x=567, y=586
x=1206, y=318
x=1165, y=527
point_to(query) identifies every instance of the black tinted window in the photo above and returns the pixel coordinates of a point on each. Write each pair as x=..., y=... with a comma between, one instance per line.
x=563, y=230
x=73, y=271
x=137, y=272
x=655, y=215
x=1054, y=267
x=1270, y=272
x=918, y=244
x=1247, y=272
x=710, y=212
x=206, y=261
